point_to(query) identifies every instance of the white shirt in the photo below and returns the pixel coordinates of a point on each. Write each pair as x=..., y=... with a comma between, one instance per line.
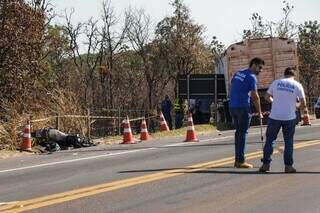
x=285, y=93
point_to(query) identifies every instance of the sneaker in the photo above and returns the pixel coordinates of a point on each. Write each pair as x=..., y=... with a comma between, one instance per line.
x=289, y=169
x=264, y=168
x=243, y=165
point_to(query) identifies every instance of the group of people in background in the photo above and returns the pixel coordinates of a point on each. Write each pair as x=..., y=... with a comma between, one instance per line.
x=179, y=108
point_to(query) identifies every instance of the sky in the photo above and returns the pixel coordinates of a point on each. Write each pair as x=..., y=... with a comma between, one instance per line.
x=225, y=19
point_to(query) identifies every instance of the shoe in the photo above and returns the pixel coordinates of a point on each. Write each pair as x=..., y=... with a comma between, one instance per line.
x=289, y=169
x=264, y=168
x=243, y=165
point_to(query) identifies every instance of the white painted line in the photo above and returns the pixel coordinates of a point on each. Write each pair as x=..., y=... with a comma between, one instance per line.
x=175, y=144
x=74, y=160
x=202, y=140
x=215, y=139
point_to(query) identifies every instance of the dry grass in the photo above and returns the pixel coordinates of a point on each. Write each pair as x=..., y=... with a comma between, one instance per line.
x=200, y=129
x=11, y=126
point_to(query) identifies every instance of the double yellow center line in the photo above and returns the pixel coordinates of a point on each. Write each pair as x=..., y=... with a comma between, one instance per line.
x=106, y=187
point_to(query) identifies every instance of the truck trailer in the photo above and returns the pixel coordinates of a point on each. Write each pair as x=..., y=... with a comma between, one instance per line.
x=278, y=54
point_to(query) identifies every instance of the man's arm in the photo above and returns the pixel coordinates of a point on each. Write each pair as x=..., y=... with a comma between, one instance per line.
x=256, y=101
x=302, y=100
x=268, y=98
x=303, y=105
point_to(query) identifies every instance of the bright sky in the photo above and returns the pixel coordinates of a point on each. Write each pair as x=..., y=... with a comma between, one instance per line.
x=225, y=19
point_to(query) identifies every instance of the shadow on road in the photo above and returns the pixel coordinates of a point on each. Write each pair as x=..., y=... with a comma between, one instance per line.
x=235, y=171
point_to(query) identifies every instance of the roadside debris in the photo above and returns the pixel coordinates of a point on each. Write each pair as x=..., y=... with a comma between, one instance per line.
x=55, y=140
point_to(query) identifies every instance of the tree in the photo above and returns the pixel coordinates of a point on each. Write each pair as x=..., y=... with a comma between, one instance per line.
x=86, y=55
x=139, y=34
x=217, y=49
x=21, y=49
x=55, y=59
x=259, y=28
x=309, y=57
x=183, y=44
x=286, y=28
x=113, y=38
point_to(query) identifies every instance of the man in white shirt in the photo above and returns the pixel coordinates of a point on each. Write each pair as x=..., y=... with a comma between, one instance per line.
x=283, y=94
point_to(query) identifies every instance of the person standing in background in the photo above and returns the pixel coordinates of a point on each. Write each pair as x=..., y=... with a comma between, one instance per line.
x=179, y=112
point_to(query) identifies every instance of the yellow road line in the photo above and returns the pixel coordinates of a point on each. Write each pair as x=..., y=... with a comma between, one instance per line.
x=106, y=187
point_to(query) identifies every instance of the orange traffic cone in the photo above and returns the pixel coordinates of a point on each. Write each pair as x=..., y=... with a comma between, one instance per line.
x=306, y=120
x=163, y=123
x=127, y=133
x=191, y=134
x=144, y=135
x=26, y=142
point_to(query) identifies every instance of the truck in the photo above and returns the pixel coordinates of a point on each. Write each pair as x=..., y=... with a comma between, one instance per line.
x=278, y=54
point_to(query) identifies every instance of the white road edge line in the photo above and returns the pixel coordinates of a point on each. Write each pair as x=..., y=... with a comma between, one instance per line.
x=74, y=160
x=202, y=140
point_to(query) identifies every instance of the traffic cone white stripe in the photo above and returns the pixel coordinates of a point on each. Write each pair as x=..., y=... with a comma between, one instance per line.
x=128, y=130
x=144, y=130
x=190, y=128
x=27, y=135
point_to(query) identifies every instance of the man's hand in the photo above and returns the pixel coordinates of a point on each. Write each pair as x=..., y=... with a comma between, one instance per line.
x=256, y=101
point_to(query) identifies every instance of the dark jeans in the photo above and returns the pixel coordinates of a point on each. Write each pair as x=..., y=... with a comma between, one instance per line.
x=168, y=118
x=317, y=111
x=241, y=120
x=288, y=129
x=178, y=120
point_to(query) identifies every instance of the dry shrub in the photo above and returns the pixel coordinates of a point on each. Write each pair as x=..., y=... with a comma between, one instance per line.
x=11, y=125
x=69, y=103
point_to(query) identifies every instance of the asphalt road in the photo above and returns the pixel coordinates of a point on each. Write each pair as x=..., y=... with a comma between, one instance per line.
x=164, y=176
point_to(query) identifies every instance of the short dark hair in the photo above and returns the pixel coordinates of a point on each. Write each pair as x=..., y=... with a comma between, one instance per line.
x=256, y=61
x=289, y=71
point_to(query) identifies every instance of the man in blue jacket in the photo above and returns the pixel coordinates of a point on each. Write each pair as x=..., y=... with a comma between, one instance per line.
x=244, y=86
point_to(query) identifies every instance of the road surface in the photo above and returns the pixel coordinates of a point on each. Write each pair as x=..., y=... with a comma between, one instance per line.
x=164, y=175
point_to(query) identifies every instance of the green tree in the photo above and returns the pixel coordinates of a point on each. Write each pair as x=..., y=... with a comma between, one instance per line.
x=182, y=41
x=309, y=56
